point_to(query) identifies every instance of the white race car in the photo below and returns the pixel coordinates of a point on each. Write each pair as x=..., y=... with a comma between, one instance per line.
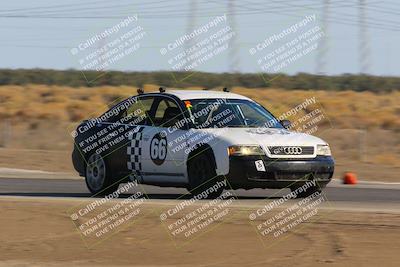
x=197, y=139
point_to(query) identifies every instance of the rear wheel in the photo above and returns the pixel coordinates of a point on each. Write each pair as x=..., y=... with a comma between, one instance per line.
x=97, y=176
x=202, y=177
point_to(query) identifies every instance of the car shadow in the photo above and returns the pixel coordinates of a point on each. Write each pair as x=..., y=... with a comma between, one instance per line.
x=122, y=196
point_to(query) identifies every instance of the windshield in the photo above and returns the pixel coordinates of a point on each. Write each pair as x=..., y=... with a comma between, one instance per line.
x=219, y=113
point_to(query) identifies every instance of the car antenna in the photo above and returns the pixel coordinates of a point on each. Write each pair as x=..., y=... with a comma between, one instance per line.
x=225, y=89
x=140, y=91
x=162, y=89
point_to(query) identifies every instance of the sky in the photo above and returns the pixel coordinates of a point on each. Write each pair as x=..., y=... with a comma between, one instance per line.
x=43, y=33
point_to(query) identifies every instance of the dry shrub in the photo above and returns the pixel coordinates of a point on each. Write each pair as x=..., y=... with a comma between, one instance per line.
x=346, y=109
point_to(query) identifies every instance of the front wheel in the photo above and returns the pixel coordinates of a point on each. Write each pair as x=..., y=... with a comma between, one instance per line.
x=97, y=176
x=202, y=177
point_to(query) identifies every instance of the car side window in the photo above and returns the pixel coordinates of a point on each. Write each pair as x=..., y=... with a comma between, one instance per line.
x=162, y=106
x=138, y=113
x=114, y=113
x=167, y=113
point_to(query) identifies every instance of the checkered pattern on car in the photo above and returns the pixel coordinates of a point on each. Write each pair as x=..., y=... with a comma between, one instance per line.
x=134, y=151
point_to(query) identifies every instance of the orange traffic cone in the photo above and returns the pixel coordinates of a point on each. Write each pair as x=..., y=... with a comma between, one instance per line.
x=349, y=178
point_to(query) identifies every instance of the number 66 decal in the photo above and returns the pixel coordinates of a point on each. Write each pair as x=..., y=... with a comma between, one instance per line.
x=158, y=149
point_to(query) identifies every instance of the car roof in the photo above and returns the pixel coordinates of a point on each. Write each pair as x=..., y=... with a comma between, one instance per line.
x=203, y=94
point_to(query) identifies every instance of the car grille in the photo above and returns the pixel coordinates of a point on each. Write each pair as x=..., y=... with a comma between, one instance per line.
x=291, y=150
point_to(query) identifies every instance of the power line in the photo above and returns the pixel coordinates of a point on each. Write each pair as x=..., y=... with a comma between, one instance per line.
x=174, y=14
x=77, y=4
x=107, y=8
x=339, y=20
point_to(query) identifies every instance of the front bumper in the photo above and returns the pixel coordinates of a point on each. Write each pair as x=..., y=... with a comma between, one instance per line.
x=279, y=173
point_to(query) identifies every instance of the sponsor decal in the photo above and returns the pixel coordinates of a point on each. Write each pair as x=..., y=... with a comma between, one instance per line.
x=260, y=165
x=268, y=131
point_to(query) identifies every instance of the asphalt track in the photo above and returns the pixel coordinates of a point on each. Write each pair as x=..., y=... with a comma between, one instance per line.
x=74, y=188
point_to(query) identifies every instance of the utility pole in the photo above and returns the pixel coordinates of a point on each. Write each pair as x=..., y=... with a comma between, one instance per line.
x=233, y=45
x=190, y=28
x=364, y=52
x=323, y=43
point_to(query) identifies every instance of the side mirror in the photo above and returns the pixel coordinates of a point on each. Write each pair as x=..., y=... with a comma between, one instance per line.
x=286, y=124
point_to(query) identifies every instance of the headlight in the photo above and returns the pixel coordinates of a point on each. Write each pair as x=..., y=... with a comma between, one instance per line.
x=245, y=150
x=323, y=150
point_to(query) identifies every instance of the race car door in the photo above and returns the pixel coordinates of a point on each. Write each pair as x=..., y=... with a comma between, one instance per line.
x=126, y=159
x=164, y=144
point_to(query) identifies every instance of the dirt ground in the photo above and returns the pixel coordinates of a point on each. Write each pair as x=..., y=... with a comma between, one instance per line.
x=40, y=233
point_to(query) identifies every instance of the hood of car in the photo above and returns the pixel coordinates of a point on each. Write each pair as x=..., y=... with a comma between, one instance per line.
x=264, y=137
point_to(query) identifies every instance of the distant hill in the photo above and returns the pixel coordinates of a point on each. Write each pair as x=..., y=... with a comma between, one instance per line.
x=303, y=81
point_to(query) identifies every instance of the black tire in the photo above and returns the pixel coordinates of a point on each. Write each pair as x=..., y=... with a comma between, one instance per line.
x=97, y=176
x=202, y=176
x=308, y=192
